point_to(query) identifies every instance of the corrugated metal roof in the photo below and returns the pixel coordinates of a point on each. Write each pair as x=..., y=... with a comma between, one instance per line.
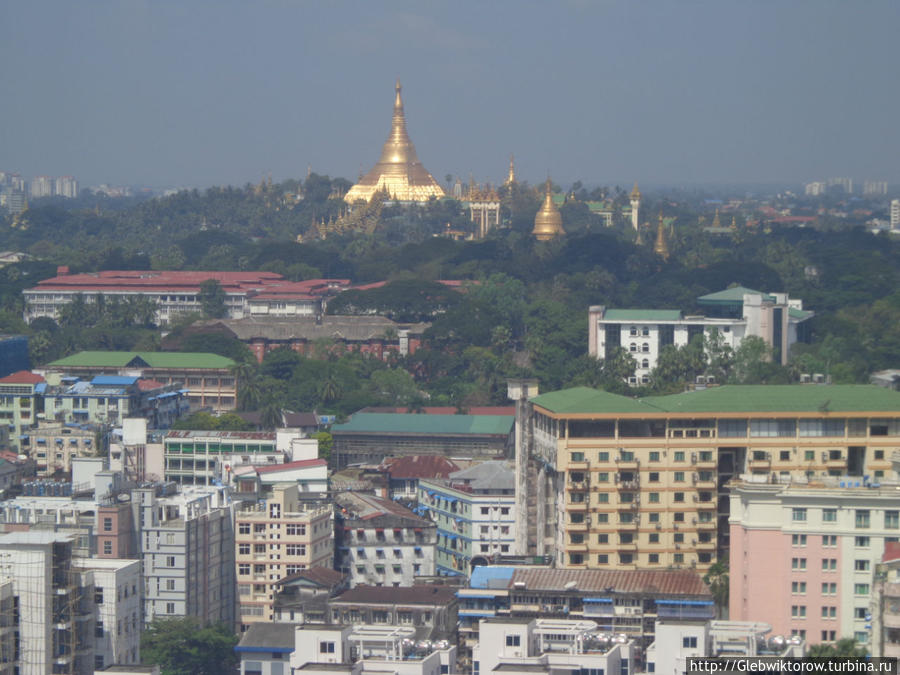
x=186, y=360
x=731, y=398
x=408, y=595
x=660, y=582
x=401, y=423
x=730, y=296
x=642, y=315
x=491, y=576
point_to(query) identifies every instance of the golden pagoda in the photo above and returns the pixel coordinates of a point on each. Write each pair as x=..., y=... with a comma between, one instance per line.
x=398, y=172
x=661, y=248
x=548, y=221
x=635, y=193
x=511, y=178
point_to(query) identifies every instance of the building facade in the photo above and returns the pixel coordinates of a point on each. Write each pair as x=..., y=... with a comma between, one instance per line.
x=612, y=481
x=817, y=542
x=475, y=514
x=118, y=617
x=187, y=549
x=275, y=538
x=733, y=314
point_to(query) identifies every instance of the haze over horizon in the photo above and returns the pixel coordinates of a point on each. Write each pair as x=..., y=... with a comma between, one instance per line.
x=211, y=92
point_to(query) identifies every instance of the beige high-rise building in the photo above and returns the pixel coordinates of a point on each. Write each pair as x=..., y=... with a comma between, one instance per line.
x=275, y=538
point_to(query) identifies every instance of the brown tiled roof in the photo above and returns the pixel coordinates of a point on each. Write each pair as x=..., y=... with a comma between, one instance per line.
x=419, y=466
x=659, y=582
x=409, y=595
x=22, y=377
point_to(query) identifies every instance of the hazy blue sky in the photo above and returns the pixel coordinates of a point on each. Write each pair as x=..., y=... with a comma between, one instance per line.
x=203, y=92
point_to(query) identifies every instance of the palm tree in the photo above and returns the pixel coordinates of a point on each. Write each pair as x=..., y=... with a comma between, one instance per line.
x=331, y=389
x=716, y=578
x=249, y=390
x=270, y=415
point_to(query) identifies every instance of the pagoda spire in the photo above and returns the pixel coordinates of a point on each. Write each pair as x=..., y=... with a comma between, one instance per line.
x=661, y=248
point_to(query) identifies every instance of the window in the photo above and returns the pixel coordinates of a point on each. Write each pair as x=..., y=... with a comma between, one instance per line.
x=798, y=515
x=861, y=565
x=602, y=538
x=798, y=540
x=679, y=537
x=326, y=648
x=244, y=569
x=861, y=542
x=107, y=547
x=829, y=564
x=829, y=588
x=170, y=561
x=513, y=640
x=679, y=456
x=798, y=587
x=244, y=528
x=859, y=612
x=678, y=558
x=296, y=549
x=829, y=540
x=863, y=519
x=653, y=517
x=653, y=477
x=98, y=596
x=809, y=455
x=170, y=584
x=679, y=476
x=653, y=558
x=798, y=563
x=603, y=497
x=577, y=457
x=626, y=558
x=98, y=629
x=798, y=611
x=654, y=537
x=784, y=455
x=603, y=477
x=654, y=456
x=892, y=520
x=829, y=612
x=689, y=642
x=107, y=524
x=293, y=529
x=678, y=497
x=602, y=559
x=170, y=608
x=602, y=456
x=679, y=517
x=861, y=589
x=243, y=549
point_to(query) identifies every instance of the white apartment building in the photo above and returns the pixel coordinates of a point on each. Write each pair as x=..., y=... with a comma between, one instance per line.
x=187, y=548
x=118, y=618
x=895, y=214
x=734, y=313
x=525, y=646
x=815, y=546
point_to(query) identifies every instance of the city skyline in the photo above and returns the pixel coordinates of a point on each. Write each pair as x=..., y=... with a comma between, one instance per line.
x=161, y=94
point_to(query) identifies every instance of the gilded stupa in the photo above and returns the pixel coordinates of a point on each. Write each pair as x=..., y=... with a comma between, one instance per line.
x=660, y=247
x=398, y=173
x=548, y=221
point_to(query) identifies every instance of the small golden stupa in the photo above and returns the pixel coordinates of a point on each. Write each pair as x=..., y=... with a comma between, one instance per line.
x=399, y=172
x=548, y=221
x=661, y=248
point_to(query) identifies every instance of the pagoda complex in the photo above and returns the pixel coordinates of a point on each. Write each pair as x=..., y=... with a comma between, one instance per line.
x=398, y=174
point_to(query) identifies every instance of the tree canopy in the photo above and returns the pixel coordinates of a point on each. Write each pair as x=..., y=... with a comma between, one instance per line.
x=187, y=647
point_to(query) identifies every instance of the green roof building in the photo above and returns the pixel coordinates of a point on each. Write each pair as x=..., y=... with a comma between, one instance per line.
x=644, y=483
x=735, y=313
x=206, y=378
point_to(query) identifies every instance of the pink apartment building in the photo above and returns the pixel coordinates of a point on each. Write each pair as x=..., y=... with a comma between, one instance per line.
x=803, y=554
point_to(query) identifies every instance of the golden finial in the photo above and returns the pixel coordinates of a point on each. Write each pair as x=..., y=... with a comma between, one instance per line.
x=716, y=221
x=733, y=223
x=635, y=193
x=661, y=248
x=511, y=178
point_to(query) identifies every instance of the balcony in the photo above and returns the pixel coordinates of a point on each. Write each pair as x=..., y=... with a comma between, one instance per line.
x=705, y=545
x=629, y=547
x=706, y=524
x=627, y=462
x=760, y=460
x=577, y=507
x=628, y=485
x=577, y=527
x=576, y=486
x=578, y=466
x=836, y=462
x=891, y=620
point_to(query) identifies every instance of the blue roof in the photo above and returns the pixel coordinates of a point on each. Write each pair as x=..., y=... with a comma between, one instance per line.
x=113, y=380
x=482, y=576
x=40, y=387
